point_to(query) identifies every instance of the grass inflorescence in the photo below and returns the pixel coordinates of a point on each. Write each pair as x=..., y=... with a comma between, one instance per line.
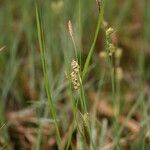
x=74, y=74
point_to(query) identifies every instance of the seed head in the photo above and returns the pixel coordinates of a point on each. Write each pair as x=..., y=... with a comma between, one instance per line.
x=109, y=31
x=75, y=66
x=111, y=48
x=74, y=74
x=70, y=28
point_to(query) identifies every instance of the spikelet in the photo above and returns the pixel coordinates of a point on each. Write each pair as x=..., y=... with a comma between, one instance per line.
x=111, y=49
x=114, y=52
x=74, y=74
x=109, y=31
x=70, y=28
x=110, y=45
x=86, y=119
x=75, y=66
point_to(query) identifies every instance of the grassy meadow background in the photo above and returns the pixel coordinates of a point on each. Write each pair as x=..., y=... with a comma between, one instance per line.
x=110, y=122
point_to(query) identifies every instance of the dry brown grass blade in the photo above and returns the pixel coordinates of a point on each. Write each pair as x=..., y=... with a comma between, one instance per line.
x=122, y=141
x=105, y=109
x=18, y=117
x=1, y=141
x=23, y=125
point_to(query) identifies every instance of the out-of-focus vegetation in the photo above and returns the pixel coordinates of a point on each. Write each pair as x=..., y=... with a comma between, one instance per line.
x=117, y=95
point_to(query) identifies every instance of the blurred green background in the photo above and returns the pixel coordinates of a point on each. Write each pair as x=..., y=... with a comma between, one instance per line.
x=21, y=77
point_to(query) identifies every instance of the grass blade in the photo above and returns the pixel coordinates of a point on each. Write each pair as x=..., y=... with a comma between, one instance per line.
x=100, y=19
x=47, y=86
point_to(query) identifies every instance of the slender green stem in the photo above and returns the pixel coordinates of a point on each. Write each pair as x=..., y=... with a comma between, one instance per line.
x=100, y=19
x=80, y=31
x=82, y=97
x=47, y=85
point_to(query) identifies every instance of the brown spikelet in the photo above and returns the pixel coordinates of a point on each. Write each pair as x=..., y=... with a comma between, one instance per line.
x=70, y=28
